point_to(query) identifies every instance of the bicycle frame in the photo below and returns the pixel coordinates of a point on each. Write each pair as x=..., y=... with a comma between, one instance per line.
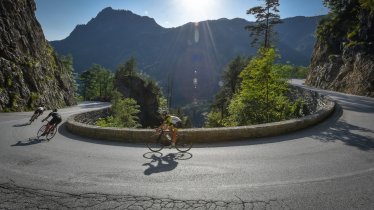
x=48, y=131
x=157, y=143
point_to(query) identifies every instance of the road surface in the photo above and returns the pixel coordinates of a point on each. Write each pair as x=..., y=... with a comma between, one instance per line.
x=327, y=166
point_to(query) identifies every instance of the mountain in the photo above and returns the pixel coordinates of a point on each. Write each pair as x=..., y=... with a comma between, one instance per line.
x=31, y=73
x=194, y=50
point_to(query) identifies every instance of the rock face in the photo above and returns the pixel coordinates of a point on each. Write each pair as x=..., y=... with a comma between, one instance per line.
x=31, y=73
x=345, y=63
x=136, y=88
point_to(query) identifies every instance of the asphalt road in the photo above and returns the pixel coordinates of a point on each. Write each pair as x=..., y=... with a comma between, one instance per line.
x=327, y=166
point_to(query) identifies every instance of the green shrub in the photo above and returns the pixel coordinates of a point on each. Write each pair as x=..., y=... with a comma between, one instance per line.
x=123, y=114
x=262, y=97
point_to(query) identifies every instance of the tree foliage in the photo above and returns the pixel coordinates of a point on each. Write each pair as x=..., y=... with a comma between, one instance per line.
x=367, y=4
x=97, y=83
x=127, y=69
x=67, y=62
x=342, y=26
x=290, y=71
x=230, y=85
x=266, y=17
x=262, y=94
x=123, y=113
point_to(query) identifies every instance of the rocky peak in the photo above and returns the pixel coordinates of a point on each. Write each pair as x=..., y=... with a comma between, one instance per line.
x=119, y=22
x=31, y=73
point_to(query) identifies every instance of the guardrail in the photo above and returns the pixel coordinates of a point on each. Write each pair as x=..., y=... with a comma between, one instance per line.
x=204, y=135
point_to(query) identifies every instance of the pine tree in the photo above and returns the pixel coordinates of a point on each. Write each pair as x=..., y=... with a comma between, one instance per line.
x=262, y=93
x=127, y=69
x=266, y=17
x=96, y=83
x=230, y=85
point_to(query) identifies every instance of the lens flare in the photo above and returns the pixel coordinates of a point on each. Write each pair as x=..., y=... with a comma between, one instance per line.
x=198, y=10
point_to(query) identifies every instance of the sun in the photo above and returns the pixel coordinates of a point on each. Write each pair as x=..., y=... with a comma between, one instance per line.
x=198, y=10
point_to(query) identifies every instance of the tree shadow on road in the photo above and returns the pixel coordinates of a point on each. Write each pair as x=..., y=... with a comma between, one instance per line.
x=332, y=129
x=349, y=134
x=28, y=142
x=163, y=163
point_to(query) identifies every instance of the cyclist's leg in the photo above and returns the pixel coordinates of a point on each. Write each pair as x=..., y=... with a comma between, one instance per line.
x=38, y=115
x=33, y=117
x=55, y=123
x=173, y=134
x=58, y=121
x=53, y=126
x=49, y=126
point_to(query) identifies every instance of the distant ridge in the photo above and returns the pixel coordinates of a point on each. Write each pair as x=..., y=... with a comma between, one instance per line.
x=113, y=36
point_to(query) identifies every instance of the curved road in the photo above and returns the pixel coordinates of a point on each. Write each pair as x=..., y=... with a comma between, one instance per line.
x=328, y=166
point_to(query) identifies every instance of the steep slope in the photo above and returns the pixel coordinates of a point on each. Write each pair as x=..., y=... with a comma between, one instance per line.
x=205, y=47
x=111, y=38
x=30, y=71
x=343, y=57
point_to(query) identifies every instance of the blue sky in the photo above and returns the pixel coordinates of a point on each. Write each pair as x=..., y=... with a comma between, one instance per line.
x=59, y=17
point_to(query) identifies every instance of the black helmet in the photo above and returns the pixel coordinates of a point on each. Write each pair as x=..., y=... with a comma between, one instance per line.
x=54, y=110
x=164, y=112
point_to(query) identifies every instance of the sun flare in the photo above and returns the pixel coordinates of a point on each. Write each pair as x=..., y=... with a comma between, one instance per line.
x=198, y=10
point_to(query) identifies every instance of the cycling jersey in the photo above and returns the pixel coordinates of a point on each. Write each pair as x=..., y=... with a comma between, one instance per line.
x=167, y=120
x=172, y=120
x=39, y=110
x=56, y=118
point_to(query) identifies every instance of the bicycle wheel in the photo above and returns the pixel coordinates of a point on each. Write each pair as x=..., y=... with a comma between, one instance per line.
x=183, y=144
x=41, y=131
x=33, y=117
x=154, y=143
x=51, y=133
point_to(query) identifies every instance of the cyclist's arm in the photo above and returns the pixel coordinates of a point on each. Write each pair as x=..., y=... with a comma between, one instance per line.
x=47, y=117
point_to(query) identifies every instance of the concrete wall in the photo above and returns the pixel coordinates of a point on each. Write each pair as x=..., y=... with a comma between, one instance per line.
x=204, y=135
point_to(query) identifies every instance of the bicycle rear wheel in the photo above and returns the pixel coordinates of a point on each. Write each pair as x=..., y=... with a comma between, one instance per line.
x=33, y=117
x=41, y=131
x=154, y=143
x=51, y=133
x=183, y=144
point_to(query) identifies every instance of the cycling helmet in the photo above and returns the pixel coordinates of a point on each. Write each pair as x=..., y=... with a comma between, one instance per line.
x=54, y=110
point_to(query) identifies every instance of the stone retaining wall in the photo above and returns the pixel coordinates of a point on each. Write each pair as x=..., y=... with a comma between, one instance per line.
x=325, y=107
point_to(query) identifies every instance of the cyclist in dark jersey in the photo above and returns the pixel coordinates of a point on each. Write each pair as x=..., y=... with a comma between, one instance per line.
x=56, y=119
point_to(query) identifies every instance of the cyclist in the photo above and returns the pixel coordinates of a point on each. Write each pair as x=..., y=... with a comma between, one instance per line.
x=56, y=119
x=39, y=111
x=171, y=123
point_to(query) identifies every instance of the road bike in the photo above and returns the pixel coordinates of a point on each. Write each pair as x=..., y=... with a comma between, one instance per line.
x=34, y=117
x=50, y=134
x=162, y=138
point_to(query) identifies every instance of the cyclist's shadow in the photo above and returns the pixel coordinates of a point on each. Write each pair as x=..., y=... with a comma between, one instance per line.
x=22, y=124
x=29, y=142
x=161, y=164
